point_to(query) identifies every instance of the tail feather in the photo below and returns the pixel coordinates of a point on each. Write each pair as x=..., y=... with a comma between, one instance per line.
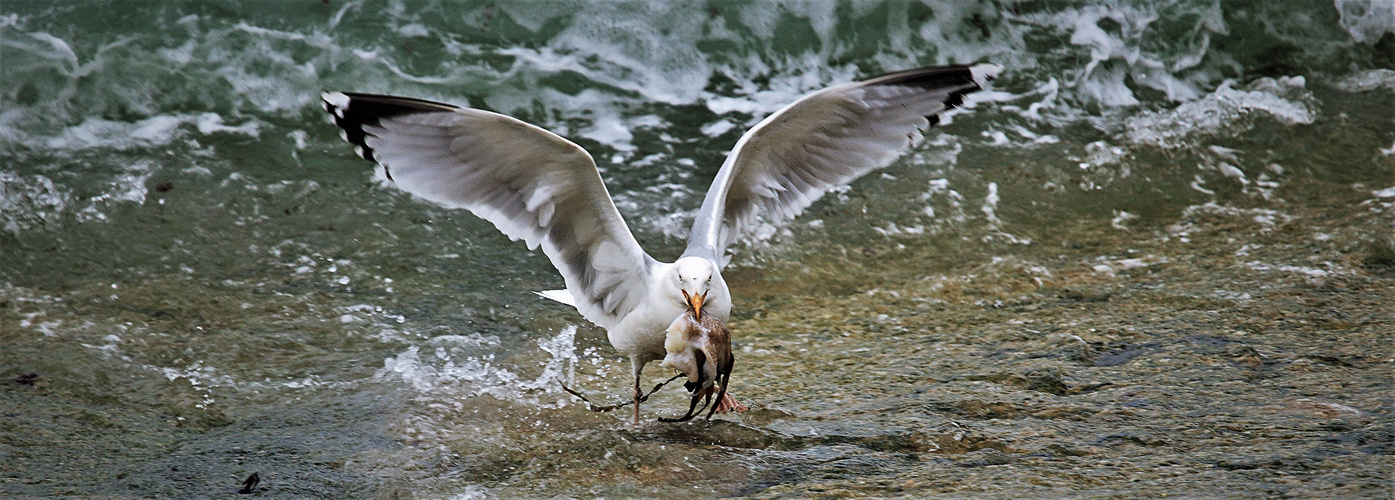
x=562, y=296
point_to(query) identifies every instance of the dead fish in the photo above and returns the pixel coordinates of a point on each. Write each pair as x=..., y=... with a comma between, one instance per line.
x=699, y=346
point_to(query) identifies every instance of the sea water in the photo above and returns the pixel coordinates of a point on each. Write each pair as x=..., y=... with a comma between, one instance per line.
x=200, y=281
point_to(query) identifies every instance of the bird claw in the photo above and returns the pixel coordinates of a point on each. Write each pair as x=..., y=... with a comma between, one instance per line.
x=693, y=411
x=725, y=404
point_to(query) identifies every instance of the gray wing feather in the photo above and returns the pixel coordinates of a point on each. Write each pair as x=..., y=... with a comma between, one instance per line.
x=823, y=140
x=530, y=183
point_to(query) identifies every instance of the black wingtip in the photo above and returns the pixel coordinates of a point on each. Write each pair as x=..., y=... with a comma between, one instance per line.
x=928, y=78
x=954, y=80
x=942, y=77
x=352, y=111
x=956, y=99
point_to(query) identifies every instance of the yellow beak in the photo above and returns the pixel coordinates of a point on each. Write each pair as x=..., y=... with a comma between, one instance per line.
x=695, y=301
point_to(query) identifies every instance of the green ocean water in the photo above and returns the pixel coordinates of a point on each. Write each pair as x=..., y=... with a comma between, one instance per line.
x=200, y=281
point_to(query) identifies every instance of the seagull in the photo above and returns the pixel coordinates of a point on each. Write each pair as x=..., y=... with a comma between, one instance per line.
x=539, y=187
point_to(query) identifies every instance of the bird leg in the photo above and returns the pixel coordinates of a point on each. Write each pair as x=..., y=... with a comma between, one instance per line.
x=638, y=393
x=698, y=393
x=725, y=402
x=693, y=409
x=593, y=407
x=723, y=379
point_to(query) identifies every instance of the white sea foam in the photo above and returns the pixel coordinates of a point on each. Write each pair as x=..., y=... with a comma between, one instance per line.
x=154, y=131
x=128, y=187
x=1267, y=219
x=955, y=200
x=1121, y=48
x=1233, y=172
x=1224, y=111
x=1367, y=81
x=1111, y=266
x=956, y=41
x=803, y=75
x=234, y=70
x=1121, y=219
x=1304, y=270
x=1100, y=153
x=1366, y=20
x=32, y=202
x=620, y=50
x=990, y=205
x=717, y=128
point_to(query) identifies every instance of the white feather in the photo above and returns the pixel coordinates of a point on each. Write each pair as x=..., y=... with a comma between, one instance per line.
x=825, y=139
x=562, y=296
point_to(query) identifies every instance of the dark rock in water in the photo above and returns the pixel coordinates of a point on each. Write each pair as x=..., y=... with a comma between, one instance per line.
x=1208, y=340
x=1380, y=257
x=1136, y=436
x=1119, y=357
x=250, y=485
x=1042, y=382
x=990, y=458
x=1058, y=450
x=1086, y=295
x=1138, y=403
x=1375, y=440
x=1276, y=462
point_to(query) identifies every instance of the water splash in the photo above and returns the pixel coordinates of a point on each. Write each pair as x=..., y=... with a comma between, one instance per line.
x=458, y=367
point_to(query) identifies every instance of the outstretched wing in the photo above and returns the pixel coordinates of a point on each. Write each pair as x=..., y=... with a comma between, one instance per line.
x=824, y=139
x=532, y=184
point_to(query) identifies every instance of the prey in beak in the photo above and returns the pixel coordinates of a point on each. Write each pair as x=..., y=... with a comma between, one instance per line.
x=699, y=346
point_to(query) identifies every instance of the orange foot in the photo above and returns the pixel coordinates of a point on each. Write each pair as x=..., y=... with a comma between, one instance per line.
x=730, y=404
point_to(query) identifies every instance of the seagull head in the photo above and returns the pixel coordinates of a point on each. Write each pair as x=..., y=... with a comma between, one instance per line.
x=694, y=279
